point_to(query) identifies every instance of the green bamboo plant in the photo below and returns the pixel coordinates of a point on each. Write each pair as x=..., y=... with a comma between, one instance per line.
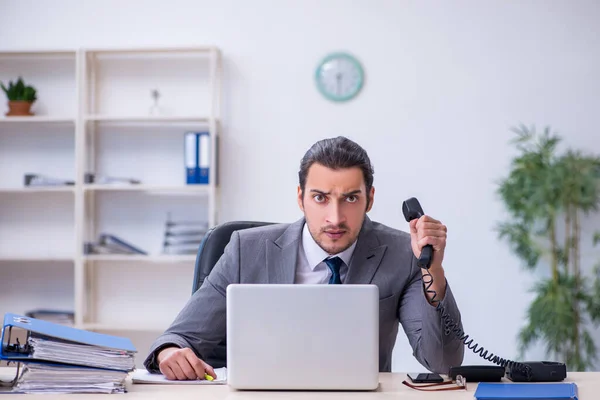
x=547, y=193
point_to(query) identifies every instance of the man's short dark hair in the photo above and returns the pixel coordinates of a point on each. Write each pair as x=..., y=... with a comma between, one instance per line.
x=337, y=153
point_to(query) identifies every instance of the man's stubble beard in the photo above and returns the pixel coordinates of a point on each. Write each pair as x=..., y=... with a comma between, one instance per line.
x=335, y=250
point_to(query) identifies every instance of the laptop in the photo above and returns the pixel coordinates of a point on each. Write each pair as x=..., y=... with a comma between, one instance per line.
x=302, y=337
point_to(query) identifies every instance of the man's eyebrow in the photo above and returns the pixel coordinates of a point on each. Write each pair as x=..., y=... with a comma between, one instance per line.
x=352, y=193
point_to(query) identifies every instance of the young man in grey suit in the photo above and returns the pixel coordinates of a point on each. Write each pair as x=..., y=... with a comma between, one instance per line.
x=335, y=242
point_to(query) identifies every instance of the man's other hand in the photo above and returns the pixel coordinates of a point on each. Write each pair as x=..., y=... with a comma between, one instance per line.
x=182, y=364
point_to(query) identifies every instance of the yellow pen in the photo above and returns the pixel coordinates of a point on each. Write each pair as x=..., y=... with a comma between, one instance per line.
x=208, y=377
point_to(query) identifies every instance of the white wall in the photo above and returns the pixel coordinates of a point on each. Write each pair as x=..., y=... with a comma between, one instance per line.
x=445, y=81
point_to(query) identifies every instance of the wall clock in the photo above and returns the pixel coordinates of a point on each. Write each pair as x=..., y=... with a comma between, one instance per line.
x=339, y=77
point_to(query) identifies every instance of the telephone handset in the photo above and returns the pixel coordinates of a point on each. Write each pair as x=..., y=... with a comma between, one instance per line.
x=411, y=210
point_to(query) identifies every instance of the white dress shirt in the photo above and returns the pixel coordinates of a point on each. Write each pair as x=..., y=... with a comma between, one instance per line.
x=310, y=267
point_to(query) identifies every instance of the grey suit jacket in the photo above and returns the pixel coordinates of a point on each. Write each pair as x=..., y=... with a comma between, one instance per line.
x=383, y=256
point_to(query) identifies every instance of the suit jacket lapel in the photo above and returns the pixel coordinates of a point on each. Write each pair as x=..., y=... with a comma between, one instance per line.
x=282, y=254
x=366, y=257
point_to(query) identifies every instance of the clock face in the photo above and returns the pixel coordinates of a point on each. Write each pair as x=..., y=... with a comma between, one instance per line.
x=339, y=77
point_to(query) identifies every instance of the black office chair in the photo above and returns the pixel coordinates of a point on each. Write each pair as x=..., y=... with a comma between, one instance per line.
x=213, y=245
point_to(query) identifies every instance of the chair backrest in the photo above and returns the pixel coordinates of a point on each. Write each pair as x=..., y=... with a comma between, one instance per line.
x=213, y=245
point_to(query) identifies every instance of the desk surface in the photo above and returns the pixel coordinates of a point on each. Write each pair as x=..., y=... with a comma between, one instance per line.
x=390, y=387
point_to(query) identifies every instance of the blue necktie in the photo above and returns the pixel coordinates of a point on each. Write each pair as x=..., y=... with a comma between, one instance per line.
x=334, y=265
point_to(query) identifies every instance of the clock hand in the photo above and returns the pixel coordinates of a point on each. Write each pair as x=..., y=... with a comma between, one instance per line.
x=338, y=77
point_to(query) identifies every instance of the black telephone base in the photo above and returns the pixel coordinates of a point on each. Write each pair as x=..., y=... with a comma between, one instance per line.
x=478, y=373
x=541, y=371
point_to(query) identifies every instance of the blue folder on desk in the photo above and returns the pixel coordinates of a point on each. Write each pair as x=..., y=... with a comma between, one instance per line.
x=526, y=391
x=46, y=341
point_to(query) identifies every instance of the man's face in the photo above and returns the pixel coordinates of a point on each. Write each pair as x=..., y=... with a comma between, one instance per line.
x=334, y=205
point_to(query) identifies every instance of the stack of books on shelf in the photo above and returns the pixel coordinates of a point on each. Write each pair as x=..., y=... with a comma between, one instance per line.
x=183, y=237
x=53, y=358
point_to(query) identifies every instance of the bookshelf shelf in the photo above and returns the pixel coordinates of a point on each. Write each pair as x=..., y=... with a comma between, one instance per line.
x=189, y=189
x=162, y=258
x=37, y=119
x=153, y=51
x=37, y=259
x=38, y=54
x=39, y=189
x=125, y=119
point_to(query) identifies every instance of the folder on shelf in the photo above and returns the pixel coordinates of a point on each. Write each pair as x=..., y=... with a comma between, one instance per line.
x=35, y=180
x=90, y=178
x=526, y=391
x=197, y=157
x=180, y=249
x=203, y=157
x=118, y=245
x=183, y=240
x=186, y=230
x=191, y=157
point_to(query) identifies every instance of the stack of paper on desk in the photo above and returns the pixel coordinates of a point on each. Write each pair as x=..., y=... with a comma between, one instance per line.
x=54, y=358
x=80, y=354
x=48, y=378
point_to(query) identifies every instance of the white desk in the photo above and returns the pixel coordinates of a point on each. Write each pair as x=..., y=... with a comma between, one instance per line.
x=390, y=388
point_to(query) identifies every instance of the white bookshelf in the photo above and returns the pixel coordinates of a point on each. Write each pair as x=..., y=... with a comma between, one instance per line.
x=93, y=116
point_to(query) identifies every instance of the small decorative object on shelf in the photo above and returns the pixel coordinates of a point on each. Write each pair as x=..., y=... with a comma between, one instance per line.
x=20, y=98
x=155, y=109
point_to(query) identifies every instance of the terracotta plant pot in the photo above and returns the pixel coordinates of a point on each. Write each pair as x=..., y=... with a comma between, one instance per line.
x=19, y=108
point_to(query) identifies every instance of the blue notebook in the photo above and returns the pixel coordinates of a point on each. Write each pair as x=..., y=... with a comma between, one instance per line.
x=526, y=391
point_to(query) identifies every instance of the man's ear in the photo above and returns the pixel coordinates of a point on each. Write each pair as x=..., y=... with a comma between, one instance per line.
x=371, y=198
x=300, y=199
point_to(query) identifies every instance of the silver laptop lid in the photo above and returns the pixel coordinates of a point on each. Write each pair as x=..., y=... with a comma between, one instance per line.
x=309, y=337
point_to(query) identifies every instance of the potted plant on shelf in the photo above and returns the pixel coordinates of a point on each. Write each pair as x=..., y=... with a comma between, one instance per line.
x=20, y=98
x=548, y=195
